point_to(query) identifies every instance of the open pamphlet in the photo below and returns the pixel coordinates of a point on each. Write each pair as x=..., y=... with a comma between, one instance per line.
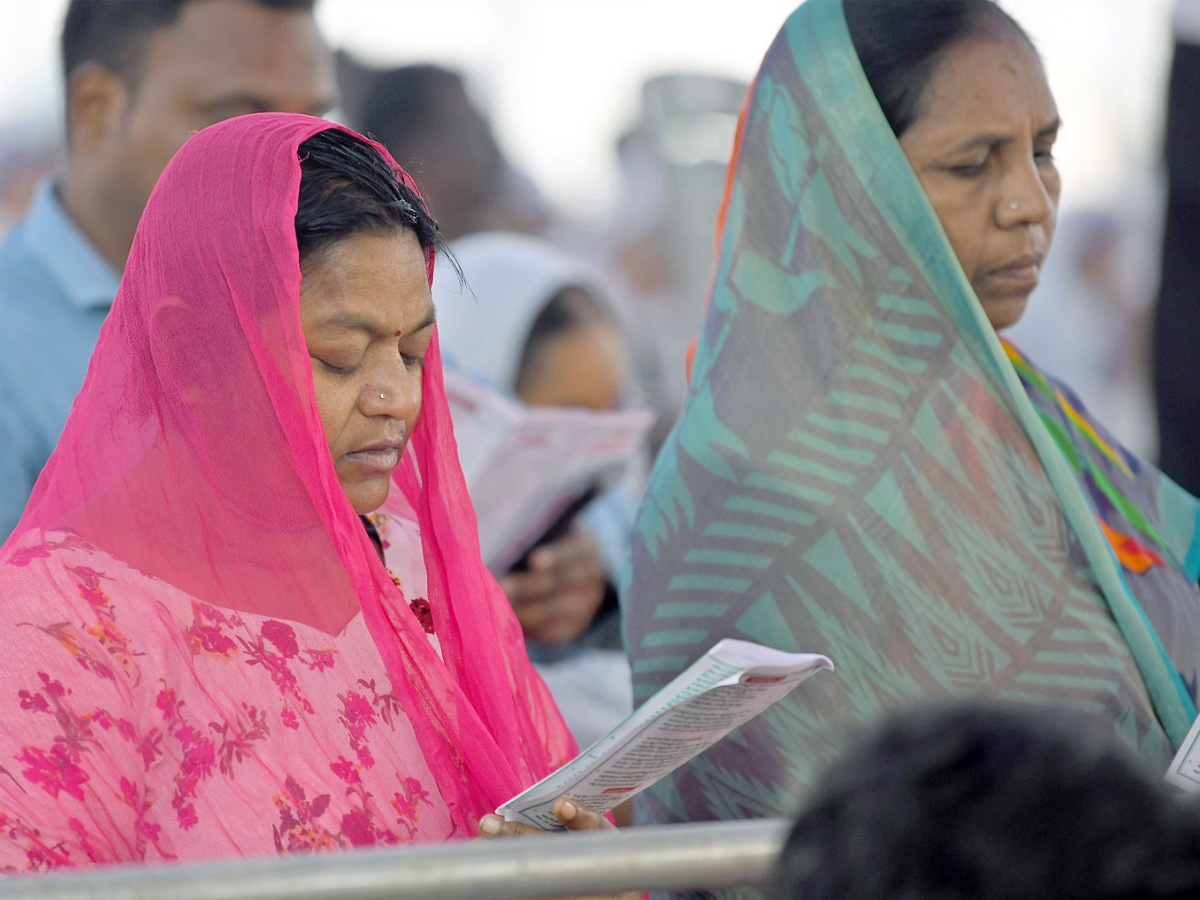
x=527, y=465
x=729, y=685
x=1185, y=767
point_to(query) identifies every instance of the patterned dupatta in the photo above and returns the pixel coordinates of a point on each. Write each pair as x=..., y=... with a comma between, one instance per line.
x=863, y=470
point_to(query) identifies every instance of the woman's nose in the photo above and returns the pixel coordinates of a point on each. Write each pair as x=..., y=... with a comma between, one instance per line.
x=1026, y=200
x=393, y=391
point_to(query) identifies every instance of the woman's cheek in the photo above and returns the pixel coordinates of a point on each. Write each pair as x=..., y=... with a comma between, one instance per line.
x=418, y=401
x=341, y=401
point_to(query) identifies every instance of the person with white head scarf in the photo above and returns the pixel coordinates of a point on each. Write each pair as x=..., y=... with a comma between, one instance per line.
x=538, y=324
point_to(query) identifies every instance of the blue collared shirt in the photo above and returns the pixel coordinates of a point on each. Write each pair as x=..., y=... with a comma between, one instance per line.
x=55, y=290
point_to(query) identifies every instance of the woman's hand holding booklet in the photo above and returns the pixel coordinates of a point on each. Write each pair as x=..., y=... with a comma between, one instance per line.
x=729, y=685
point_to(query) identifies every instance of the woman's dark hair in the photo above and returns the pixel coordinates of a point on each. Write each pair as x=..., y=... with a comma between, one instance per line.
x=567, y=310
x=347, y=188
x=899, y=41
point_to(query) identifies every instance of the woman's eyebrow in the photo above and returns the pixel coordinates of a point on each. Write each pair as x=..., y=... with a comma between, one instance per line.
x=1050, y=130
x=999, y=140
x=351, y=323
x=426, y=322
x=982, y=140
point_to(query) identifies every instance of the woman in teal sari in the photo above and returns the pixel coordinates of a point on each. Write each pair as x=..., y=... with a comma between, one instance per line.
x=864, y=468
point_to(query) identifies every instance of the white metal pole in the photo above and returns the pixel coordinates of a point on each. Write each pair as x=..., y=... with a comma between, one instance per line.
x=673, y=857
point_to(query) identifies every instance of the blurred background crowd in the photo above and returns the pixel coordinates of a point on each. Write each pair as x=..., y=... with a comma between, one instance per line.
x=605, y=127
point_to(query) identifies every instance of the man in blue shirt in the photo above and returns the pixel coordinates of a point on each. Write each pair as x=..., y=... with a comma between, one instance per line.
x=141, y=76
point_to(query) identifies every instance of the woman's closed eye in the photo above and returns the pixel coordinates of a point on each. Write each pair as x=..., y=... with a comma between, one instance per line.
x=414, y=346
x=340, y=371
x=340, y=364
x=970, y=170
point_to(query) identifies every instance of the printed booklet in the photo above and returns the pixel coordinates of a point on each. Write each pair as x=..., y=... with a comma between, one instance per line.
x=528, y=465
x=731, y=684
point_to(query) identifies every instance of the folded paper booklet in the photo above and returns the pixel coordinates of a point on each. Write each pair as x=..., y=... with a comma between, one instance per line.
x=1185, y=768
x=526, y=465
x=729, y=685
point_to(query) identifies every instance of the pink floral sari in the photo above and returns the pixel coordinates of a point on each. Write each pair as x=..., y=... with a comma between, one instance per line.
x=205, y=656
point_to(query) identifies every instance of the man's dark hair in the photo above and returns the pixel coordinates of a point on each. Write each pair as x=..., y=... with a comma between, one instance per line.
x=899, y=41
x=989, y=801
x=114, y=33
x=347, y=188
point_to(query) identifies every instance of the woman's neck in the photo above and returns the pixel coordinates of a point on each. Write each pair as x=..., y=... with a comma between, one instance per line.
x=373, y=534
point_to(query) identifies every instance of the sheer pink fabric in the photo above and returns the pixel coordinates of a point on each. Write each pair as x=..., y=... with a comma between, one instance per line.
x=194, y=455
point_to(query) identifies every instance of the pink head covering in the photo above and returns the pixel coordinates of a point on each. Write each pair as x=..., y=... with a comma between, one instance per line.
x=195, y=453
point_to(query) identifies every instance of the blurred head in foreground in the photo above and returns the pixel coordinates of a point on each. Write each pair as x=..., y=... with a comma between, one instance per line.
x=987, y=800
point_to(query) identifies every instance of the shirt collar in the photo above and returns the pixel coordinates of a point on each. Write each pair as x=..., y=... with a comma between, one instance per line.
x=86, y=278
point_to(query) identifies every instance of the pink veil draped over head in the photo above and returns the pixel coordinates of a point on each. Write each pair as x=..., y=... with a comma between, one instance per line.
x=195, y=453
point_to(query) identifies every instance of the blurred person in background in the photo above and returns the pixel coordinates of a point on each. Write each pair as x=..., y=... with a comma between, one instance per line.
x=140, y=76
x=988, y=801
x=27, y=153
x=425, y=116
x=863, y=467
x=1087, y=326
x=535, y=323
x=672, y=163
x=1176, y=349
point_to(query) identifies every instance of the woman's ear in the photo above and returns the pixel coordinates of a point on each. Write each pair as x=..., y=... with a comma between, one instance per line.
x=97, y=100
x=196, y=357
x=172, y=329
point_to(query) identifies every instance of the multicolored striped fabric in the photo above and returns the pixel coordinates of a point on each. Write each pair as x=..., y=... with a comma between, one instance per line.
x=863, y=470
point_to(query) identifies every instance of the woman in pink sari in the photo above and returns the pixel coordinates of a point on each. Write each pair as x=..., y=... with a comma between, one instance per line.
x=210, y=652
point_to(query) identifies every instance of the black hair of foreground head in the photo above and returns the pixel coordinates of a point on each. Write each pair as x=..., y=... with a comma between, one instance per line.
x=898, y=43
x=990, y=801
x=114, y=32
x=347, y=188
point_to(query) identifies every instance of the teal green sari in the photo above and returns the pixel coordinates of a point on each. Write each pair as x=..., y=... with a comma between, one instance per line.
x=863, y=469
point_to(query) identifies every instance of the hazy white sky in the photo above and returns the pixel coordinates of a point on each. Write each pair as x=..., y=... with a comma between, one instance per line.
x=561, y=76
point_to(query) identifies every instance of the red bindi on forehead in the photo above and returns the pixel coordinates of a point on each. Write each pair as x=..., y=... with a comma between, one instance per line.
x=399, y=333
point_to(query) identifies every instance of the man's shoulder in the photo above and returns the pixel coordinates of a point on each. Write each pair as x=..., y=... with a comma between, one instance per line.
x=47, y=263
x=25, y=280
x=32, y=302
x=45, y=340
x=15, y=252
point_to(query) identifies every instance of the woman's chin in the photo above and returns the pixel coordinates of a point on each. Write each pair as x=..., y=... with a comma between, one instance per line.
x=1005, y=311
x=368, y=494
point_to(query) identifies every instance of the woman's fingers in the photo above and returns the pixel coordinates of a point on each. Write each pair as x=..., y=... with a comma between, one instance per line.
x=495, y=826
x=529, y=587
x=573, y=550
x=557, y=598
x=576, y=817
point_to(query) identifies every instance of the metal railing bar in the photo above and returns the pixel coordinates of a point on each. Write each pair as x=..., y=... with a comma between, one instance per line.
x=673, y=857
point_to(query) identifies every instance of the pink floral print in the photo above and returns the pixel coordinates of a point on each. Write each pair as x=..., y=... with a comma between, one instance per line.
x=125, y=746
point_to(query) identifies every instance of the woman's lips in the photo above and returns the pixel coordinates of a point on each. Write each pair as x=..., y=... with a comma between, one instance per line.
x=1023, y=272
x=383, y=458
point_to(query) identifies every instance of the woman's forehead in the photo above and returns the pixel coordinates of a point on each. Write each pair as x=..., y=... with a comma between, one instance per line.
x=372, y=281
x=985, y=83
